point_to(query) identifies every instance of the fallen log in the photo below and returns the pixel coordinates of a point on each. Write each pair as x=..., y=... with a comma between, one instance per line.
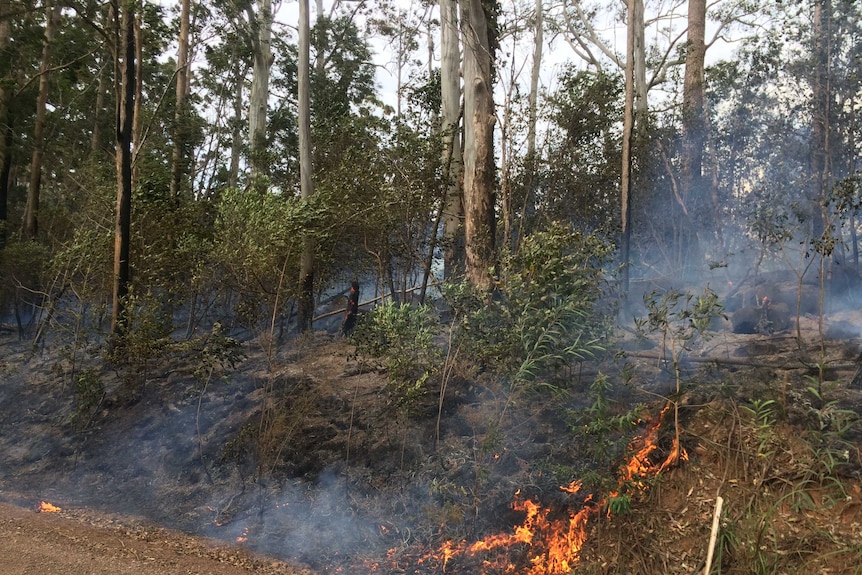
x=802, y=364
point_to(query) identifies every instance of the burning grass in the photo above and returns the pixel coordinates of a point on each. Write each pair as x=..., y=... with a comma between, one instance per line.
x=549, y=540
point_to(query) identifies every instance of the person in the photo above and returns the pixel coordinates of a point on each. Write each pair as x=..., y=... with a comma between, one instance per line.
x=352, y=310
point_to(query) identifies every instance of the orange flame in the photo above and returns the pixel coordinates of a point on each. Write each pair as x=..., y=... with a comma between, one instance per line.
x=45, y=507
x=554, y=545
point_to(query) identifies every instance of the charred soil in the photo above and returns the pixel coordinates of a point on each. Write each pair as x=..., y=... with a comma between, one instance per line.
x=297, y=458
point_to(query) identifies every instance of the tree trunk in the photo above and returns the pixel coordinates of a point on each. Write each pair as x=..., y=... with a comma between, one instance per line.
x=5, y=129
x=240, y=71
x=626, y=168
x=820, y=116
x=125, y=83
x=531, y=156
x=263, y=58
x=179, y=156
x=450, y=80
x=139, y=89
x=31, y=218
x=305, y=311
x=478, y=144
x=691, y=178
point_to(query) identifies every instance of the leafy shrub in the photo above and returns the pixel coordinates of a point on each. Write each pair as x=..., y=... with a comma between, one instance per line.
x=544, y=312
x=89, y=394
x=401, y=337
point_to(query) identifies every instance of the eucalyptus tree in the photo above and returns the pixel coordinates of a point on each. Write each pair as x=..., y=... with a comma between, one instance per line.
x=518, y=115
x=260, y=24
x=52, y=16
x=305, y=312
x=479, y=37
x=452, y=159
x=125, y=86
x=179, y=158
x=5, y=115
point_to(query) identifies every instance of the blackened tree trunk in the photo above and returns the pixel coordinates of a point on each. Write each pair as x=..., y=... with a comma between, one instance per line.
x=125, y=85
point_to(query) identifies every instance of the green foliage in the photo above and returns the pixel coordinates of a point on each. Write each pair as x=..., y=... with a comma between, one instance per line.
x=402, y=338
x=145, y=338
x=22, y=268
x=219, y=352
x=258, y=242
x=583, y=168
x=762, y=414
x=544, y=314
x=679, y=317
x=89, y=395
x=619, y=504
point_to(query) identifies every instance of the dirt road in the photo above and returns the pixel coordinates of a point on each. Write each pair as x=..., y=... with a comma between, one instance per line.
x=85, y=543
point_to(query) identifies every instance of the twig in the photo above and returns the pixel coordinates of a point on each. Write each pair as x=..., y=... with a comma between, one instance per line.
x=713, y=534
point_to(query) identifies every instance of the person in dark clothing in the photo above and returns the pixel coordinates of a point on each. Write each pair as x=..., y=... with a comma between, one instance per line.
x=352, y=310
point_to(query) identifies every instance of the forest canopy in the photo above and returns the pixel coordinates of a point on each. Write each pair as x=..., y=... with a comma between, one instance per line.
x=157, y=172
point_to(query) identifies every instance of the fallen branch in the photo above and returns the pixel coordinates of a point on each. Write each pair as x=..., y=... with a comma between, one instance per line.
x=713, y=534
x=741, y=362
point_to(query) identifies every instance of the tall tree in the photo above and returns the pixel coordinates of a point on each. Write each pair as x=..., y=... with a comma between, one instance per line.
x=5, y=124
x=52, y=15
x=634, y=7
x=478, y=33
x=694, y=126
x=531, y=158
x=261, y=38
x=182, y=79
x=820, y=113
x=125, y=85
x=450, y=82
x=305, y=312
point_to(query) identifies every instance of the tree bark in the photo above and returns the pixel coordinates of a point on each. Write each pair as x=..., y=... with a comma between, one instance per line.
x=258, y=99
x=531, y=155
x=5, y=129
x=305, y=310
x=125, y=83
x=450, y=80
x=691, y=178
x=626, y=168
x=820, y=169
x=478, y=143
x=240, y=71
x=178, y=158
x=31, y=218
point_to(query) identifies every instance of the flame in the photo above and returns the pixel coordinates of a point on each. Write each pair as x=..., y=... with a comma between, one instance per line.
x=554, y=543
x=45, y=507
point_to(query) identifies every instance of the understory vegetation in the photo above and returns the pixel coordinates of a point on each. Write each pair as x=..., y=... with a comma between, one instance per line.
x=639, y=293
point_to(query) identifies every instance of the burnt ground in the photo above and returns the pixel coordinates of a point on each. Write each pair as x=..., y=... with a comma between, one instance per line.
x=298, y=457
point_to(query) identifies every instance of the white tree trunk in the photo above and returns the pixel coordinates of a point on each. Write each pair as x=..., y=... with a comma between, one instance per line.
x=305, y=312
x=259, y=96
x=450, y=80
